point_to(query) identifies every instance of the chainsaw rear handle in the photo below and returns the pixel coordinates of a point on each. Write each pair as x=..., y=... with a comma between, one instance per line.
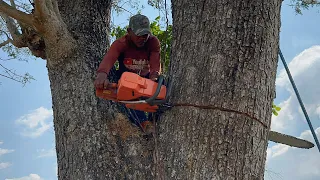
x=165, y=100
x=151, y=100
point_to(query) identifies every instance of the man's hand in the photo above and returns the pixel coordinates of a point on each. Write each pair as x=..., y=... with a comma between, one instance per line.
x=154, y=77
x=101, y=81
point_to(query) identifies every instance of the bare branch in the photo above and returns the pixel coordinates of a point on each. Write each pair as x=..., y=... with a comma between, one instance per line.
x=16, y=77
x=41, y=8
x=56, y=9
x=120, y=7
x=11, y=25
x=9, y=77
x=13, y=30
x=16, y=14
x=5, y=43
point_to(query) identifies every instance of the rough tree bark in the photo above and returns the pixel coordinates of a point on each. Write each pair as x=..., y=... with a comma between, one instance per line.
x=93, y=141
x=223, y=68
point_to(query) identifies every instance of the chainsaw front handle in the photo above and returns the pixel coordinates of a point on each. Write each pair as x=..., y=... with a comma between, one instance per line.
x=151, y=100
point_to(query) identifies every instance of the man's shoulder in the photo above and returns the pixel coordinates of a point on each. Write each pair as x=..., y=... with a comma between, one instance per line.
x=153, y=43
x=121, y=43
x=153, y=39
x=121, y=40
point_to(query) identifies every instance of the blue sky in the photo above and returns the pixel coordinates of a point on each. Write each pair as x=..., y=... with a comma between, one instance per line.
x=27, y=136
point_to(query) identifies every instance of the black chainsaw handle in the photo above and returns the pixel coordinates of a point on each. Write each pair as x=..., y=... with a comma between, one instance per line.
x=155, y=95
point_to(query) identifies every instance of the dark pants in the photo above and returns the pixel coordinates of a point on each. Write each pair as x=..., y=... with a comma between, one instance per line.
x=135, y=116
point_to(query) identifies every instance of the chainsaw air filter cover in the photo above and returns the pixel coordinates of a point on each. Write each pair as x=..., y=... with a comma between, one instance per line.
x=131, y=86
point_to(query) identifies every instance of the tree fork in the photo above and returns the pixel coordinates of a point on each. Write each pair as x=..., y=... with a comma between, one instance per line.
x=45, y=30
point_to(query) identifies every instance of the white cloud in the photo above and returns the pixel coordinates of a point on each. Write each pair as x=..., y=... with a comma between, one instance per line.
x=305, y=71
x=5, y=151
x=1, y=142
x=46, y=153
x=277, y=150
x=36, y=122
x=301, y=64
x=288, y=162
x=285, y=117
x=30, y=177
x=318, y=111
x=4, y=165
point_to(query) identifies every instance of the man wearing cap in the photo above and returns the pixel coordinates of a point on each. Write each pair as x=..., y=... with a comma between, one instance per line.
x=139, y=52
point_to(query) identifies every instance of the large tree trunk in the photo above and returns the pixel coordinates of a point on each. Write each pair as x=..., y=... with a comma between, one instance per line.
x=223, y=67
x=92, y=141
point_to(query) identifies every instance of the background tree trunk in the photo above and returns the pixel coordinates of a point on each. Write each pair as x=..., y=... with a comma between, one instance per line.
x=223, y=69
x=92, y=141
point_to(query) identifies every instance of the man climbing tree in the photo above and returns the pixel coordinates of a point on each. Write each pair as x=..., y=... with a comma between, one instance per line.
x=138, y=52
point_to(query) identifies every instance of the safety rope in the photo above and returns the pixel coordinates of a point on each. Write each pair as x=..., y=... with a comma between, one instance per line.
x=299, y=99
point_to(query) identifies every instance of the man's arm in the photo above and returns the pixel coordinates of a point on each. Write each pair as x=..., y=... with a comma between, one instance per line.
x=110, y=57
x=155, y=65
x=107, y=63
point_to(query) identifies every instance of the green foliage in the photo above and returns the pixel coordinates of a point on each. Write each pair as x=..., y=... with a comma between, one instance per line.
x=164, y=36
x=300, y=5
x=275, y=109
x=118, y=32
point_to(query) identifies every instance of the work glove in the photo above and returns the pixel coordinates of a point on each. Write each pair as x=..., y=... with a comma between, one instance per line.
x=101, y=81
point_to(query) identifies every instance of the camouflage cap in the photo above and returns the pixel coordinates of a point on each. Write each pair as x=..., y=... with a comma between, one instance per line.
x=140, y=25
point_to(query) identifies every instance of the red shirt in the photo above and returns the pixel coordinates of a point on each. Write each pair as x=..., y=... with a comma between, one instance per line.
x=131, y=58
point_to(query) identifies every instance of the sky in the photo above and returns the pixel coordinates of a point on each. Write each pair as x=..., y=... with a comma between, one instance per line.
x=26, y=123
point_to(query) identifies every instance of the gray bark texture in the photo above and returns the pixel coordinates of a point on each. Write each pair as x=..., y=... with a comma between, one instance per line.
x=223, y=70
x=93, y=142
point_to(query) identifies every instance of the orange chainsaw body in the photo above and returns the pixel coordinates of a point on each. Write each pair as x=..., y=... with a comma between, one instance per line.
x=132, y=87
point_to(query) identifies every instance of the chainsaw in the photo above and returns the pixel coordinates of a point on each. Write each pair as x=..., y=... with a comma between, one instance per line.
x=136, y=92
x=146, y=95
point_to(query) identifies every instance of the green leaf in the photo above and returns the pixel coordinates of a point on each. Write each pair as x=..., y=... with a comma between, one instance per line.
x=278, y=108
x=275, y=112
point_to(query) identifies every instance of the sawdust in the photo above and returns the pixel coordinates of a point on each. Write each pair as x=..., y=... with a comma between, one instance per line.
x=122, y=127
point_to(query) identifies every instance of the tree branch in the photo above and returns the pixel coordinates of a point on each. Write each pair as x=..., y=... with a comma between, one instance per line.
x=5, y=43
x=56, y=9
x=16, y=77
x=13, y=30
x=9, y=77
x=120, y=7
x=16, y=14
x=41, y=8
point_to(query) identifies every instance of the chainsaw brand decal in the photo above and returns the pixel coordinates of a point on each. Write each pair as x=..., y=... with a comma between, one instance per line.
x=107, y=92
x=136, y=64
